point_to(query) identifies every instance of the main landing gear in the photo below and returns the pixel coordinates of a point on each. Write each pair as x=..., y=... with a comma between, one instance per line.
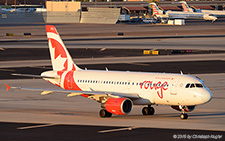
x=148, y=110
x=104, y=113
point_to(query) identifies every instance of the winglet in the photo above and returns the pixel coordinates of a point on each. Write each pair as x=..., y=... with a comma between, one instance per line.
x=7, y=87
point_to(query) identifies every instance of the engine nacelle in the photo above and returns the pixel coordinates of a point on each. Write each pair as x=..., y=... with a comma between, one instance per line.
x=186, y=108
x=119, y=106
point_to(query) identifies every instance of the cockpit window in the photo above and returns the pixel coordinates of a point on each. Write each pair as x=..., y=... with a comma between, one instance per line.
x=192, y=86
x=198, y=85
x=187, y=86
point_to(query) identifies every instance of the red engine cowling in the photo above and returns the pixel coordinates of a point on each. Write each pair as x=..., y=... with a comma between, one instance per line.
x=186, y=108
x=119, y=106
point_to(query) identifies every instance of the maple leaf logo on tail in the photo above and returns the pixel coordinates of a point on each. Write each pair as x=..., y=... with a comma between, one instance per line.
x=60, y=57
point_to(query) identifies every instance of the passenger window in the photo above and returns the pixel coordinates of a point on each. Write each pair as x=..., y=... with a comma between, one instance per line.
x=187, y=86
x=192, y=86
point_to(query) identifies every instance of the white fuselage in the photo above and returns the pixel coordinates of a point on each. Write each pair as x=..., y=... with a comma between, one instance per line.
x=190, y=15
x=216, y=13
x=153, y=88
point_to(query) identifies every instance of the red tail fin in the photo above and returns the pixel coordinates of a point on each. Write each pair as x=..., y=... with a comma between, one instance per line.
x=60, y=57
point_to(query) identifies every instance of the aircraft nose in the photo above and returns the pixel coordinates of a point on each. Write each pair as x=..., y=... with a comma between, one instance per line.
x=206, y=96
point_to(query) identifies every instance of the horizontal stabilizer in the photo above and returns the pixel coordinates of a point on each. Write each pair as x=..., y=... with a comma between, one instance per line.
x=7, y=87
x=33, y=76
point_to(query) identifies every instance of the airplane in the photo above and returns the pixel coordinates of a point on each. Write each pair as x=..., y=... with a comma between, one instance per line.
x=13, y=10
x=216, y=13
x=181, y=15
x=118, y=91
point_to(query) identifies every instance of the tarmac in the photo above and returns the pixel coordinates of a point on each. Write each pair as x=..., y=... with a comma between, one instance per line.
x=26, y=115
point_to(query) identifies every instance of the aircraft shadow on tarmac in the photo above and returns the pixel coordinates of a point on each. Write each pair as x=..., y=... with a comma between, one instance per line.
x=172, y=115
x=209, y=114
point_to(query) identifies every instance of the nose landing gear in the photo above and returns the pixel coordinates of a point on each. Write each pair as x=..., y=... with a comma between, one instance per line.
x=183, y=115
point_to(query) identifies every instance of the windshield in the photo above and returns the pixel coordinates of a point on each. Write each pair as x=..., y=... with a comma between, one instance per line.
x=194, y=85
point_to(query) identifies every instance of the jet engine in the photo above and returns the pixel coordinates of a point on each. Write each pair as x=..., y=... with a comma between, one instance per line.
x=186, y=108
x=118, y=106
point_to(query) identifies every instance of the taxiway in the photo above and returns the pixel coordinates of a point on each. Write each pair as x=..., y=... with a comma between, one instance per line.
x=20, y=109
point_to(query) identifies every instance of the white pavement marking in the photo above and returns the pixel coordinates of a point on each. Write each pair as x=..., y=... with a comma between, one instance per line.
x=36, y=126
x=120, y=129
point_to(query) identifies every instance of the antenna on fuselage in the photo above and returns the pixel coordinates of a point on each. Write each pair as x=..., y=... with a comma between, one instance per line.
x=181, y=73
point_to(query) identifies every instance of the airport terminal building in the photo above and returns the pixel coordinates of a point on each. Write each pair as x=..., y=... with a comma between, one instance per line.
x=104, y=12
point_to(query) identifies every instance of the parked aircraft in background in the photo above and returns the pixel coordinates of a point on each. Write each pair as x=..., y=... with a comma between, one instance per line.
x=216, y=13
x=181, y=15
x=19, y=10
x=118, y=91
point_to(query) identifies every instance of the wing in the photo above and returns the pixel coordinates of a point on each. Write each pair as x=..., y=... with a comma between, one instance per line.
x=71, y=93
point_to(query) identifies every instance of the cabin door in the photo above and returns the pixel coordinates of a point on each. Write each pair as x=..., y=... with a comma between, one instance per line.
x=70, y=82
x=173, y=86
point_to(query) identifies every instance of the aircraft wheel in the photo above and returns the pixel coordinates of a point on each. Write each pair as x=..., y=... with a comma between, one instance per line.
x=104, y=113
x=183, y=116
x=151, y=111
x=145, y=111
x=108, y=114
x=148, y=111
